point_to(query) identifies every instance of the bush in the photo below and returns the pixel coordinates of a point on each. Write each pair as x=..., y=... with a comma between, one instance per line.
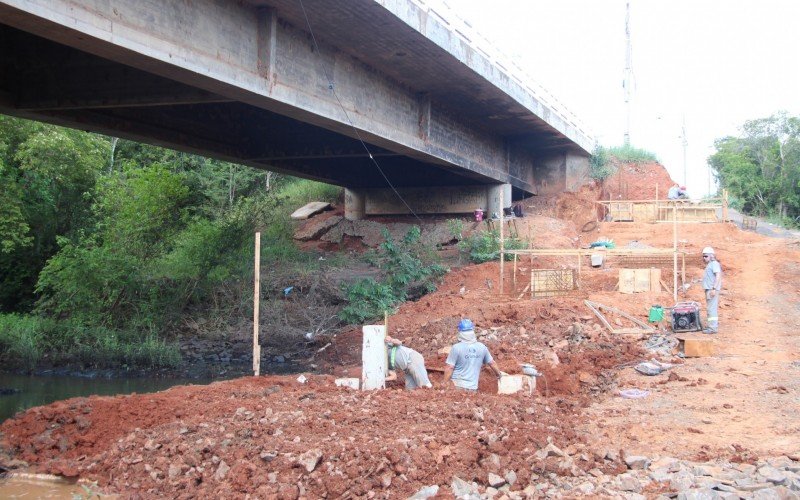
x=407, y=265
x=484, y=246
x=600, y=164
x=368, y=300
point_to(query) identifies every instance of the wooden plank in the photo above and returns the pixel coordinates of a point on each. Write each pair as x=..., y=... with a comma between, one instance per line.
x=641, y=280
x=621, y=313
x=599, y=315
x=655, y=280
x=627, y=280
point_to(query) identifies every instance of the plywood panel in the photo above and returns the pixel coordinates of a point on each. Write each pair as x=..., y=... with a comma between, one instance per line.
x=627, y=280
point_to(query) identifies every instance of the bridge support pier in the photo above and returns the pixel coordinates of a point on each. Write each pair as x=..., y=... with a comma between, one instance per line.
x=425, y=200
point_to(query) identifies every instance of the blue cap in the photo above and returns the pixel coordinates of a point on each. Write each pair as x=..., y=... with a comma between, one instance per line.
x=465, y=325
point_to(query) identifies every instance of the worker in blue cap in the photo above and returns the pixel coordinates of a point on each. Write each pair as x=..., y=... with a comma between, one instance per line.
x=466, y=359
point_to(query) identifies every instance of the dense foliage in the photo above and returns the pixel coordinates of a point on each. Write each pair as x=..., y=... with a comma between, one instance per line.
x=761, y=167
x=407, y=266
x=484, y=246
x=105, y=244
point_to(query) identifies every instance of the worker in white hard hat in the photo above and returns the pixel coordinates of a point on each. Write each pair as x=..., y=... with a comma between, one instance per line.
x=712, y=284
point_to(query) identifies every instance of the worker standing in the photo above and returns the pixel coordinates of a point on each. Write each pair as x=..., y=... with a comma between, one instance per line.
x=466, y=359
x=410, y=362
x=712, y=284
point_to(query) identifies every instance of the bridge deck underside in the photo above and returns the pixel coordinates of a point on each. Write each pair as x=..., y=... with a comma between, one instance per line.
x=46, y=81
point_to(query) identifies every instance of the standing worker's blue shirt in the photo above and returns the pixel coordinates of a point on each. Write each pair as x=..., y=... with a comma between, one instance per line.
x=467, y=360
x=709, y=279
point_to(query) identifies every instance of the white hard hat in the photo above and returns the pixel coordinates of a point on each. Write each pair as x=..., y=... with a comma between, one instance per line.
x=708, y=250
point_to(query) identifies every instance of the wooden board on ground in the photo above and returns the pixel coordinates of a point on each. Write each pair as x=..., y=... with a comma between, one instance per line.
x=643, y=329
x=310, y=209
x=696, y=347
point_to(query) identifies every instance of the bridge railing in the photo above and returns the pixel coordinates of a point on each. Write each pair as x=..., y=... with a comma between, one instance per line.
x=464, y=30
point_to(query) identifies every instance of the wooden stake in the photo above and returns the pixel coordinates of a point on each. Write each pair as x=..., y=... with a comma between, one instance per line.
x=514, y=277
x=675, y=252
x=256, y=306
x=502, y=243
x=724, y=205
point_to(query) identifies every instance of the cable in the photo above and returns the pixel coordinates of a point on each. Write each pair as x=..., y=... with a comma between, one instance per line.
x=347, y=116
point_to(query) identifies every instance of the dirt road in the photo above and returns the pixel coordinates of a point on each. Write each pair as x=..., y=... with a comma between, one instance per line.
x=744, y=400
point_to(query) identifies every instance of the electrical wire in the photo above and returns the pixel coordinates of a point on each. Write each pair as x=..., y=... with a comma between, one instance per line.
x=332, y=88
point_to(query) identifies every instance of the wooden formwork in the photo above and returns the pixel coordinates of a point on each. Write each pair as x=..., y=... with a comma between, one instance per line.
x=662, y=254
x=709, y=210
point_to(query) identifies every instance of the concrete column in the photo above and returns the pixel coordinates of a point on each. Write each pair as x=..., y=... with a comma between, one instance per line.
x=354, y=204
x=493, y=198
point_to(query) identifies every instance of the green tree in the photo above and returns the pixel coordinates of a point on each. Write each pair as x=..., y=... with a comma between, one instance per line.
x=761, y=168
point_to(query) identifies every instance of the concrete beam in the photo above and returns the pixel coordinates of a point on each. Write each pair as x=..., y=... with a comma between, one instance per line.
x=246, y=54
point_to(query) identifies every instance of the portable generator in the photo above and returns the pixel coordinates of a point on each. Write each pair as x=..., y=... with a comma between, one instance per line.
x=686, y=317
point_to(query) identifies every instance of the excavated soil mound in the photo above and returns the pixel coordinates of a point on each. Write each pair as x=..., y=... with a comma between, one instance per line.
x=276, y=438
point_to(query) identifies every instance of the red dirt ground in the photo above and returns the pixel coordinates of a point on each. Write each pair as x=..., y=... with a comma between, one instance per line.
x=248, y=435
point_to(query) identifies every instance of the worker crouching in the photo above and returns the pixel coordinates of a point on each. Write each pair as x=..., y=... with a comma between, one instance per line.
x=409, y=361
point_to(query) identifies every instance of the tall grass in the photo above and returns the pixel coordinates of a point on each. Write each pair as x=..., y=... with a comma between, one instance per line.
x=21, y=340
x=26, y=340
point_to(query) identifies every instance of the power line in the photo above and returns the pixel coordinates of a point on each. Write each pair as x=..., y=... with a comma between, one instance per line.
x=332, y=88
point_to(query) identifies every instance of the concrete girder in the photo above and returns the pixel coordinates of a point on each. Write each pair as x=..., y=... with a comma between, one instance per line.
x=217, y=52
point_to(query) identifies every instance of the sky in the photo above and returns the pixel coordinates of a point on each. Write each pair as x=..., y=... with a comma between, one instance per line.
x=712, y=64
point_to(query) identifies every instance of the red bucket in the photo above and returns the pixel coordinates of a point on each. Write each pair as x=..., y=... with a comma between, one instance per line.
x=479, y=215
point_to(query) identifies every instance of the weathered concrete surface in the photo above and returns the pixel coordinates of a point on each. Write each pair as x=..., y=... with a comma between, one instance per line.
x=310, y=209
x=243, y=81
x=316, y=227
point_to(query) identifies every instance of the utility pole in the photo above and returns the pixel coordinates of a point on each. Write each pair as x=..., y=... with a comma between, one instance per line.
x=626, y=83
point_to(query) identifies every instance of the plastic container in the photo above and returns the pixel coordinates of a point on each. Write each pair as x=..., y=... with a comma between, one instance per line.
x=479, y=215
x=656, y=314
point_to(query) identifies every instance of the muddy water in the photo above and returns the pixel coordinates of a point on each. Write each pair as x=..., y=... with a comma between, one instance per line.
x=29, y=486
x=40, y=390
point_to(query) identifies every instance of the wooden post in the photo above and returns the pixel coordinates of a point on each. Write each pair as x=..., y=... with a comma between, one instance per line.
x=502, y=243
x=386, y=334
x=256, y=306
x=683, y=268
x=724, y=205
x=514, y=277
x=579, y=270
x=675, y=252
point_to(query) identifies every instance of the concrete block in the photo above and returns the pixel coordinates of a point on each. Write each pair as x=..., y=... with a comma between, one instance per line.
x=352, y=383
x=510, y=384
x=310, y=209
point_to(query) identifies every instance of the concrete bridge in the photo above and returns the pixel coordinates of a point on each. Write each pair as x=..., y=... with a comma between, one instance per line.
x=245, y=81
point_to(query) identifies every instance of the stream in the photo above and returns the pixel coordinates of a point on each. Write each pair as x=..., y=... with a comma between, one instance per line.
x=36, y=390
